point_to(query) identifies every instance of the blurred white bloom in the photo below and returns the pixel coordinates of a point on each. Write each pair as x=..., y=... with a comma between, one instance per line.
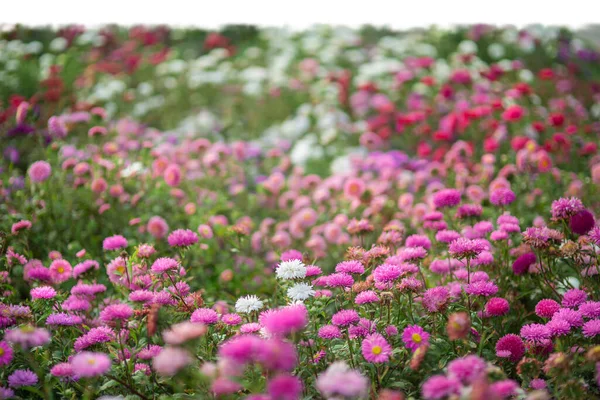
x=292, y=269
x=247, y=304
x=132, y=169
x=300, y=291
x=526, y=75
x=58, y=44
x=145, y=89
x=496, y=50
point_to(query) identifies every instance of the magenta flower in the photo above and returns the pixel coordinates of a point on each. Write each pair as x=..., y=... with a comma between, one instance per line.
x=329, y=332
x=116, y=312
x=345, y=318
x=546, y=308
x=510, y=346
x=375, y=349
x=285, y=387
x=60, y=270
x=446, y=198
x=465, y=248
x=205, y=316
x=339, y=280
x=439, y=387
x=6, y=353
x=591, y=328
x=114, y=242
x=22, y=377
x=414, y=337
x=387, y=273
x=182, y=238
x=535, y=332
x=39, y=171
x=366, y=297
x=164, y=264
x=496, y=306
x=88, y=364
x=350, y=267
x=468, y=369
x=286, y=320
x=42, y=292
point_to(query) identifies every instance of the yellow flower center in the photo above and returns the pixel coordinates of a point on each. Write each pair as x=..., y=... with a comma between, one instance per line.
x=121, y=269
x=416, y=338
x=60, y=270
x=1, y=351
x=27, y=329
x=376, y=350
x=91, y=361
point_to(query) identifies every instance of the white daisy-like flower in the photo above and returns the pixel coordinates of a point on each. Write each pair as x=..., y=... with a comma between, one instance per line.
x=292, y=269
x=247, y=304
x=300, y=291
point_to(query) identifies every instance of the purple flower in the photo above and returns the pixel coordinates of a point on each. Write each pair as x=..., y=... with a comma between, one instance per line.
x=22, y=377
x=591, y=328
x=446, y=198
x=535, y=332
x=465, y=248
x=582, y=222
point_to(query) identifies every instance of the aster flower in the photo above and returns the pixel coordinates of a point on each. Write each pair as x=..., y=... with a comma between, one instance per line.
x=468, y=369
x=440, y=387
x=339, y=381
x=345, y=318
x=535, y=332
x=231, y=319
x=564, y=208
x=164, y=264
x=339, y=280
x=573, y=298
x=27, y=336
x=182, y=238
x=114, y=242
x=350, y=267
x=435, y=299
x=63, y=319
x=42, y=292
x=330, y=332
x=366, y=297
x=465, y=248
x=19, y=226
x=182, y=332
x=582, y=222
x=510, y=346
x=205, y=316
x=546, y=308
x=292, y=269
x=482, y=288
x=591, y=328
x=496, y=306
x=248, y=304
x=414, y=336
x=116, y=312
x=376, y=349
x=88, y=364
x=522, y=264
x=387, y=273
x=300, y=291
x=6, y=353
x=60, y=270
x=286, y=320
x=590, y=309
x=446, y=198
x=39, y=171
x=22, y=377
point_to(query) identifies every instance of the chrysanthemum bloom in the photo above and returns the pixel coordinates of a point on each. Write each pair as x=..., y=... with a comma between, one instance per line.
x=558, y=327
x=414, y=336
x=157, y=227
x=60, y=270
x=170, y=360
x=27, y=336
x=39, y=171
x=522, y=264
x=340, y=381
x=435, y=299
x=57, y=127
x=22, y=377
x=591, y=328
x=164, y=264
x=145, y=250
x=248, y=304
x=564, y=208
x=440, y=387
x=290, y=255
x=376, y=349
x=300, y=291
x=469, y=210
x=286, y=320
x=292, y=269
x=285, y=387
x=182, y=238
x=88, y=364
x=496, y=306
x=459, y=325
x=535, y=332
x=330, y=332
x=6, y=353
x=205, y=316
x=482, y=288
x=172, y=175
x=42, y=292
x=97, y=335
x=465, y=248
x=582, y=222
x=387, y=273
x=340, y=280
x=149, y=352
x=182, y=332
x=594, y=235
x=345, y=318
x=62, y=370
x=446, y=198
x=366, y=297
x=573, y=298
x=446, y=236
x=510, y=346
x=538, y=384
x=231, y=319
x=590, y=309
x=573, y=317
x=116, y=312
x=502, y=197
x=114, y=242
x=354, y=187
x=467, y=369
x=350, y=267
x=504, y=389
x=63, y=319
x=546, y=308
x=6, y=393
x=84, y=266
x=19, y=226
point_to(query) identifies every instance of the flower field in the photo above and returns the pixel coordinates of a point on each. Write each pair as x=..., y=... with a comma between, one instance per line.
x=271, y=215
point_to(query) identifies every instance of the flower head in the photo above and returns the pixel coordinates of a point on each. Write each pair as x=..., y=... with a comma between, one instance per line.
x=414, y=336
x=376, y=349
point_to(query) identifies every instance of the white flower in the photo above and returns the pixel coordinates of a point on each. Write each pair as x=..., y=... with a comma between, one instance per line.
x=291, y=270
x=248, y=304
x=300, y=291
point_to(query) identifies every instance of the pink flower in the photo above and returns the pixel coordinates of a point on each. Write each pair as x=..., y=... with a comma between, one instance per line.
x=286, y=320
x=340, y=280
x=114, y=242
x=157, y=227
x=467, y=369
x=354, y=187
x=182, y=332
x=60, y=270
x=88, y=364
x=440, y=387
x=546, y=308
x=164, y=264
x=339, y=381
x=285, y=387
x=116, y=312
x=446, y=198
x=182, y=238
x=366, y=297
x=42, y=292
x=170, y=360
x=496, y=306
x=39, y=171
x=345, y=318
x=6, y=353
x=387, y=273
x=330, y=332
x=414, y=337
x=435, y=299
x=19, y=226
x=465, y=248
x=172, y=175
x=376, y=349
x=205, y=316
